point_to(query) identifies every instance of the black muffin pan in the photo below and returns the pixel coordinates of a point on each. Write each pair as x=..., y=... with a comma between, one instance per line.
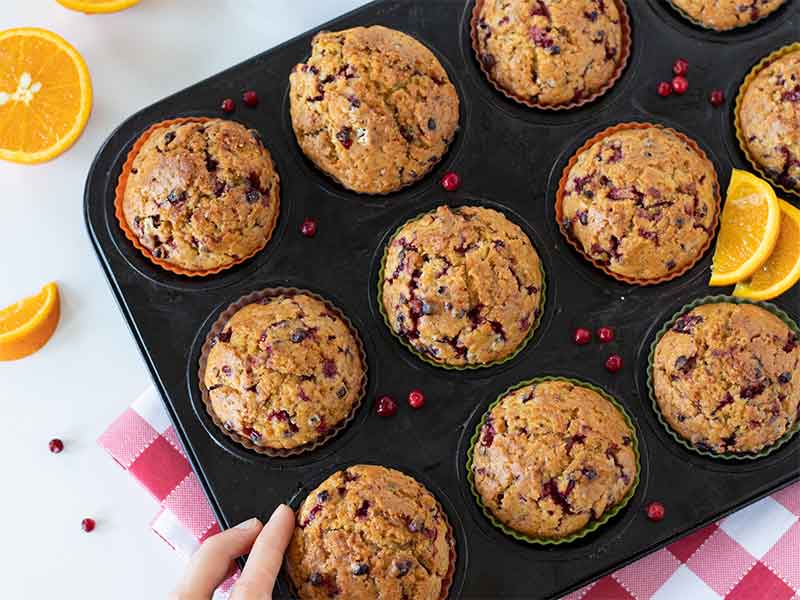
x=510, y=157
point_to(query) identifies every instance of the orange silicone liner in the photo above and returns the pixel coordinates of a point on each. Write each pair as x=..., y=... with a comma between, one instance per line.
x=219, y=326
x=754, y=72
x=625, y=52
x=562, y=185
x=119, y=195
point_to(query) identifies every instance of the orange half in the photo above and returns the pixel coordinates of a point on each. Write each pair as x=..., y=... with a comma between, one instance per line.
x=27, y=325
x=98, y=6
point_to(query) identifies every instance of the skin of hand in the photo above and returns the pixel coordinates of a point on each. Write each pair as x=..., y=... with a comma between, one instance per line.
x=213, y=561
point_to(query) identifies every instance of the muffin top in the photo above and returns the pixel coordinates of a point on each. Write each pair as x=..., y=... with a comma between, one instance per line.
x=284, y=372
x=369, y=532
x=373, y=108
x=769, y=118
x=550, y=52
x=463, y=286
x=723, y=15
x=553, y=456
x=202, y=195
x=727, y=377
x=641, y=202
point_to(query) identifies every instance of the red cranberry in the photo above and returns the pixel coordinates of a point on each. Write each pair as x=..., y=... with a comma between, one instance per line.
x=680, y=84
x=309, y=228
x=416, y=399
x=386, y=406
x=605, y=334
x=680, y=66
x=250, y=98
x=582, y=336
x=88, y=525
x=655, y=511
x=717, y=98
x=664, y=89
x=613, y=363
x=451, y=181
x=228, y=105
x=56, y=445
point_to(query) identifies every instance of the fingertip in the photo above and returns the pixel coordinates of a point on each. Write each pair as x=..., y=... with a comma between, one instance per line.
x=282, y=513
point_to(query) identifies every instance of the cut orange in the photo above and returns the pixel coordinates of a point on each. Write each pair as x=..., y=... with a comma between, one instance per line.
x=749, y=228
x=27, y=325
x=98, y=6
x=782, y=269
x=45, y=95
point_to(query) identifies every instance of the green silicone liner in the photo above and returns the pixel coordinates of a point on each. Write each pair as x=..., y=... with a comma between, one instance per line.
x=686, y=16
x=592, y=525
x=651, y=390
x=425, y=358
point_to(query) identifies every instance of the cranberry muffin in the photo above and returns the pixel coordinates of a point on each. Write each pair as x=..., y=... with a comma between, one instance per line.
x=769, y=120
x=462, y=286
x=550, y=52
x=641, y=202
x=201, y=195
x=368, y=532
x=723, y=15
x=373, y=108
x=726, y=377
x=284, y=372
x=552, y=457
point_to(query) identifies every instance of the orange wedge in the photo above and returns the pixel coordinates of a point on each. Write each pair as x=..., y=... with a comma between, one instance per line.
x=45, y=95
x=98, y=6
x=27, y=325
x=749, y=228
x=782, y=269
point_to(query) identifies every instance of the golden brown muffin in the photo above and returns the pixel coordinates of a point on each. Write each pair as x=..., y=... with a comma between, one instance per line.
x=723, y=15
x=369, y=533
x=284, y=372
x=373, y=108
x=463, y=286
x=727, y=377
x=202, y=195
x=550, y=52
x=769, y=118
x=552, y=457
x=641, y=202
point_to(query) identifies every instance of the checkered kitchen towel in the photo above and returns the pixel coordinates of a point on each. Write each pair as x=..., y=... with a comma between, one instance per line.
x=753, y=554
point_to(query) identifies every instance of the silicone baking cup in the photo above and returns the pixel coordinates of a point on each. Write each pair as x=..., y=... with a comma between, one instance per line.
x=119, y=194
x=697, y=23
x=764, y=62
x=625, y=52
x=424, y=357
x=562, y=186
x=219, y=326
x=651, y=388
x=592, y=525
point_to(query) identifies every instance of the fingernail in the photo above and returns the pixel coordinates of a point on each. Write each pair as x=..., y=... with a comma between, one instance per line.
x=249, y=524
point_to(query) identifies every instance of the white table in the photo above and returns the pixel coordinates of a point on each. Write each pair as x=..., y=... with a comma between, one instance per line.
x=90, y=371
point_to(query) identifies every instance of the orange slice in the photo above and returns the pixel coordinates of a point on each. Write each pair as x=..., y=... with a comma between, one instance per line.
x=782, y=269
x=45, y=95
x=98, y=6
x=749, y=228
x=27, y=325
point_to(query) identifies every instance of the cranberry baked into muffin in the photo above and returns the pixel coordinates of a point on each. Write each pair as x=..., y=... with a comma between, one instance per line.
x=201, y=195
x=367, y=533
x=550, y=52
x=373, y=108
x=727, y=377
x=463, y=286
x=723, y=15
x=284, y=372
x=553, y=456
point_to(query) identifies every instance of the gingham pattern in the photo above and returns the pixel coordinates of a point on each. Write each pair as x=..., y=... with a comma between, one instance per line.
x=753, y=554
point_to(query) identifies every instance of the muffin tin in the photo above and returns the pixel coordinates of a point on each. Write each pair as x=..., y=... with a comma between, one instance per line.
x=509, y=156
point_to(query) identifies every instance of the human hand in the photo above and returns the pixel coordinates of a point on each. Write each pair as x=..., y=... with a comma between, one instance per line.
x=213, y=561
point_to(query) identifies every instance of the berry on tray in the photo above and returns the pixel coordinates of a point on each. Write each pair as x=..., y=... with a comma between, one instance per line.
x=680, y=66
x=451, y=181
x=56, y=446
x=605, y=334
x=27, y=325
x=88, y=524
x=680, y=84
x=227, y=105
x=664, y=89
x=416, y=399
x=386, y=406
x=655, y=511
x=582, y=336
x=309, y=228
x=250, y=98
x=716, y=98
x=614, y=363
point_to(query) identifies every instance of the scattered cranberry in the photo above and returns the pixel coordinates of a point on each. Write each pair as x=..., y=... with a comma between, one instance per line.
x=680, y=84
x=250, y=98
x=386, y=406
x=416, y=399
x=664, y=89
x=613, y=363
x=309, y=228
x=451, y=181
x=655, y=511
x=228, y=105
x=605, y=334
x=582, y=336
x=56, y=445
x=680, y=66
x=88, y=525
x=717, y=98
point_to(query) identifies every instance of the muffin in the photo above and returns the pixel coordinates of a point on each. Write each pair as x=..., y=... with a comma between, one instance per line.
x=368, y=532
x=284, y=372
x=726, y=377
x=552, y=457
x=462, y=286
x=550, y=53
x=373, y=108
x=769, y=119
x=640, y=201
x=199, y=194
x=723, y=15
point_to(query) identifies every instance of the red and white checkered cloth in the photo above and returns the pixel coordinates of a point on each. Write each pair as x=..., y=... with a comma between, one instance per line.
x=753, y=554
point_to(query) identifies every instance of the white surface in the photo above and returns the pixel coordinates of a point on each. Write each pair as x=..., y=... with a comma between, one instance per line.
x=90, y=371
